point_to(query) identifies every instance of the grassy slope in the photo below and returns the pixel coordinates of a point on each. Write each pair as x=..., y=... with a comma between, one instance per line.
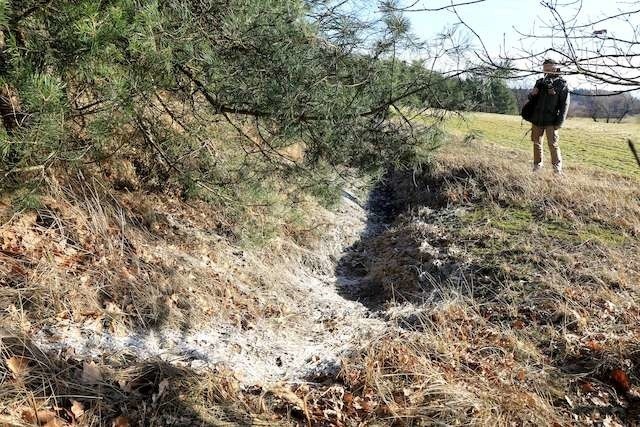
x=523, y=292
x=583, y=141
x=93, y=261
x=511, y=298
x=128, y=260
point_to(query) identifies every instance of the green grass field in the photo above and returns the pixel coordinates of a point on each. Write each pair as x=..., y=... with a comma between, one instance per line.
x=582, y=141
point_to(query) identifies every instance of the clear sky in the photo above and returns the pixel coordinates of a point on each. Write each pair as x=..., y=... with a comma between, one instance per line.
x=496, y=21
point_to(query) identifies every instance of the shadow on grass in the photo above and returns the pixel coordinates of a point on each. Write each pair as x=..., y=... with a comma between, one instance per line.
x=414, y=243
x=399, y=194
x=37, y=388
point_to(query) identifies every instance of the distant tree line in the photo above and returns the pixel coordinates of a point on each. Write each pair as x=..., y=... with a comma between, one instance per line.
x=605, y=106
x=477, y=91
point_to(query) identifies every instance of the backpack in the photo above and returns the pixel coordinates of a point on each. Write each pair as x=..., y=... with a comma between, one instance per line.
x=528, y=108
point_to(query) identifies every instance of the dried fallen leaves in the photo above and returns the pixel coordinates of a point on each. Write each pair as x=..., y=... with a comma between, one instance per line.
x=77, y=409
x=49, y=418
x=620, y=380
x=19, y=366
x=56, y=416
x=587, y=387
x=45, y=418
x=162, y=387
x=90, y=373
x=595, y=346
x=289, y=396
x=120, y=421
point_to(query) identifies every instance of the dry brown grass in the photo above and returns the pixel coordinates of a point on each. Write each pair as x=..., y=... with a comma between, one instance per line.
x=87, y=253
x=526, y=303
x=120, y=262
x=60, y=391
x=512, y=299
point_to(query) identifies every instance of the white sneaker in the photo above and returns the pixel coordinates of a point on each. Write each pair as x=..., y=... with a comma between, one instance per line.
x=537, y=168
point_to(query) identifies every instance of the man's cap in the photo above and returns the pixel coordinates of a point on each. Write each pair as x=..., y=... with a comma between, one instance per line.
x=549, y=61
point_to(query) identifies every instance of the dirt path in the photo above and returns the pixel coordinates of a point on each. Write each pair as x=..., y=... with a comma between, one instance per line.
x=308, y=344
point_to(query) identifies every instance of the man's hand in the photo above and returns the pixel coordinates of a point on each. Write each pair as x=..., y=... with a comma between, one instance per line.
x=535, y=91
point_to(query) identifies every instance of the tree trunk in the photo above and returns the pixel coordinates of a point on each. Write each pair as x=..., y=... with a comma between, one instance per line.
x=12, y=115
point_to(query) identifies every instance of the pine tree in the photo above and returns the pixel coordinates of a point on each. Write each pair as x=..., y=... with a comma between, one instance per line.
x=85, y=80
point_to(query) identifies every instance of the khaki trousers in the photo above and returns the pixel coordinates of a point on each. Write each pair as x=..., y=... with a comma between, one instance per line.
x=553, y=141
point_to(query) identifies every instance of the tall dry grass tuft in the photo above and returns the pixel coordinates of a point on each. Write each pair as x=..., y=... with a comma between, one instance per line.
x=50, y=390
x=90, y=254
x=116, y=263
x=515, y=297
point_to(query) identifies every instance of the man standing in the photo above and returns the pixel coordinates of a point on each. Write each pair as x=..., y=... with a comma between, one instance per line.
x=550, y=96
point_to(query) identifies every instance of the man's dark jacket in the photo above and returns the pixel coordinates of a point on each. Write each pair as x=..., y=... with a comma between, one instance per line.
x=551, y=103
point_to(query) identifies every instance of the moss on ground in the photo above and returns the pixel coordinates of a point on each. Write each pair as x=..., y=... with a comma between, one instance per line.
x=516, y=221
